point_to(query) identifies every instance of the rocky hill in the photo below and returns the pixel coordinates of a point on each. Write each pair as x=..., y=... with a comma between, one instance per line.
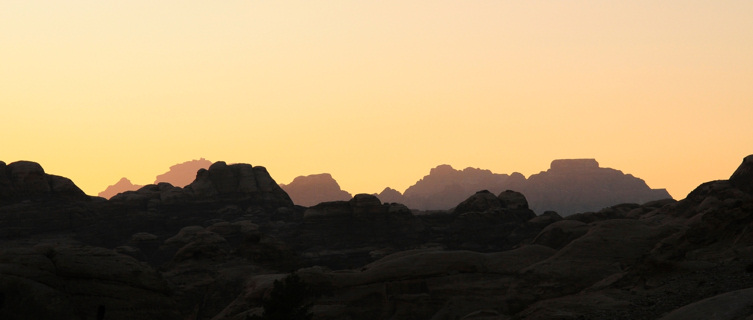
x=314, y=189
x=212, y=250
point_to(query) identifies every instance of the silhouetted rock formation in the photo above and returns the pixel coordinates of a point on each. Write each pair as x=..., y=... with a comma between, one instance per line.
x=236, y=182
x=182, y=174
x=627, y=261
x=313, y=189
x=121, y=186
x=179, y=175
x=24, y=180
x=213, y=249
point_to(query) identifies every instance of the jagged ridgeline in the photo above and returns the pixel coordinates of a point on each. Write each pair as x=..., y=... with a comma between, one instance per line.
x=569, y=186
x=214, y=249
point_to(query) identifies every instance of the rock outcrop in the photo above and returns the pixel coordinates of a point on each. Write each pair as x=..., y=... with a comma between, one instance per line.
x=25, y=180
x=314, y=189
x=742, y=178
x=241, y=181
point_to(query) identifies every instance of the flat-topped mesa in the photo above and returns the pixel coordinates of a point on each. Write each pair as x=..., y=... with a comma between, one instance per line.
x=574, y=164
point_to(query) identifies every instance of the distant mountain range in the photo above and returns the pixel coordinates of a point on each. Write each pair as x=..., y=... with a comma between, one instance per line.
x=569, y=186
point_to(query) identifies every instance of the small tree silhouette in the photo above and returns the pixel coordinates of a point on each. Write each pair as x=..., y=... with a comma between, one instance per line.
x=288, y=300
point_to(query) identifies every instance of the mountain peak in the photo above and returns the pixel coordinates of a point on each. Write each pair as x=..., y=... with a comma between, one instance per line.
x=121, y=186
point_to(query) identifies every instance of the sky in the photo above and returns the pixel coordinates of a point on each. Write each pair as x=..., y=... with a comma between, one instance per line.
x=377, y=92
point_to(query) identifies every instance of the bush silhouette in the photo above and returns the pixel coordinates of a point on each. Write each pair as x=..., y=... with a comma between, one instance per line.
x=290, y=299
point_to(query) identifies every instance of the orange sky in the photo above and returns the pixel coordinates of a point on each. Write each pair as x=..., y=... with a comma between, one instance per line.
x=377, y=92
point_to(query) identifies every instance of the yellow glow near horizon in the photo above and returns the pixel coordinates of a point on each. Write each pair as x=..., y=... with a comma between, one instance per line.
x=377, y=92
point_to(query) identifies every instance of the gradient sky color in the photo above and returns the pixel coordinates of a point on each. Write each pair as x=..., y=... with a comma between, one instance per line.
x=377, y=92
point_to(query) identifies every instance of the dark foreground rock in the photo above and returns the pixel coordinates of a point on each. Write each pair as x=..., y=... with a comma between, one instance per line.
x=25, y=180
x=213, y=249
x=69, y=281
